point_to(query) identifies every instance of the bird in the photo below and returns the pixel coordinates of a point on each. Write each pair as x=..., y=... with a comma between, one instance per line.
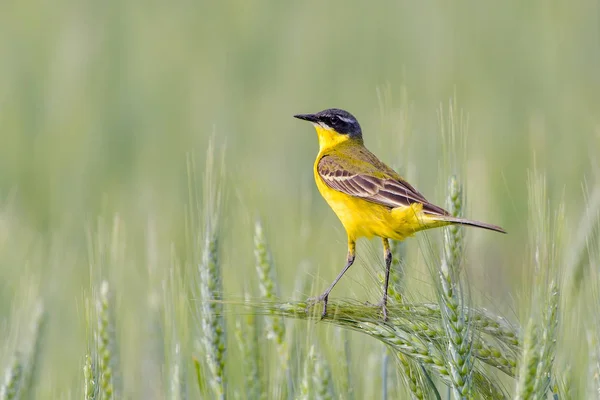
x=369, y=198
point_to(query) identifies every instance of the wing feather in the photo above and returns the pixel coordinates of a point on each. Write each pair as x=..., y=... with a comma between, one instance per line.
x=389, y=190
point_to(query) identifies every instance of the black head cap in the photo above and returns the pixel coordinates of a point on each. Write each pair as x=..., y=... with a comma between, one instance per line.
x=341, y=121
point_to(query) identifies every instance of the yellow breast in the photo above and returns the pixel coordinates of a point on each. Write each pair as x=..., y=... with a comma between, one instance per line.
x=362, y=218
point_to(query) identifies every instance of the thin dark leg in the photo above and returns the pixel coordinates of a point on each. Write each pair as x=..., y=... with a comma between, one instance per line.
x=387, y=254
x=350, y=260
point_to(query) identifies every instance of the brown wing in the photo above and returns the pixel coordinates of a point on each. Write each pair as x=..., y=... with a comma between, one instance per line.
x=388, y=190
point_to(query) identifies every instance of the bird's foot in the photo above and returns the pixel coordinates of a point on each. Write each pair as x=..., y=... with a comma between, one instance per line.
x=312, y=301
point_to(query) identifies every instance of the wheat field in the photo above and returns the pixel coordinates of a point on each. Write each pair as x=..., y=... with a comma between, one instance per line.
x=160, y=230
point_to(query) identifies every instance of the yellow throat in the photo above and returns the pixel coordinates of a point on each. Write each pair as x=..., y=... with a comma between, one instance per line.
x=329, y=138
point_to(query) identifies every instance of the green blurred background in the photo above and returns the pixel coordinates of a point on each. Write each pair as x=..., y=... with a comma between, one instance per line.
x=103, y=103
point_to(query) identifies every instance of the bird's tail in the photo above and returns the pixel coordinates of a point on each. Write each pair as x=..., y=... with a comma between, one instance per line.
x=468, y=222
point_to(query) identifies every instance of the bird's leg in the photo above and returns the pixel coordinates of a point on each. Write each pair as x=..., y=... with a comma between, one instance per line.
x=387, y=254
x=349, y=261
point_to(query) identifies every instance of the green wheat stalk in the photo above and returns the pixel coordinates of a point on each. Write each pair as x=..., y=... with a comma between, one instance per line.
x=91, y=379
x=316, y=380
x=593, y=388
x=20, y=376
x=477, y=318
x=247, y=338
x=414, y=377
x=305, y=391
x=177, y=382
x=411, y=376
x=268, y=288
x=13, y=378
x=402, y=319
x=548, y=343
x=174, y=307
x=460, y=357
x=213, y=323
x=209, y=284
x=322, y=379
x=495, y=326
x=539, y=343
x=497, y=357
x=34, y=349
x=342, y=352
x=422, y=348
x=106, y=344
x=529, y=363
x=592, y=299
x=454, y=234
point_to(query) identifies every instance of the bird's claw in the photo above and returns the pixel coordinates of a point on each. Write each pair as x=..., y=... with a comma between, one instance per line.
x=312, y=301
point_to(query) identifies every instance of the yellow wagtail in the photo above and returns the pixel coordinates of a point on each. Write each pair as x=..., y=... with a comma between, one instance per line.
x=369, y=198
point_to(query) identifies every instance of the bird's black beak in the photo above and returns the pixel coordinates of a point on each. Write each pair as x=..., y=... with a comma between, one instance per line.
x=307, y=117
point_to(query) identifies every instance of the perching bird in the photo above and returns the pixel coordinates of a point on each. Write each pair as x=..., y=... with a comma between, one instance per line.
x=369, y=198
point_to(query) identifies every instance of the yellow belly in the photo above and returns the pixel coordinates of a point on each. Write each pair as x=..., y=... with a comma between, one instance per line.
x=362, y=218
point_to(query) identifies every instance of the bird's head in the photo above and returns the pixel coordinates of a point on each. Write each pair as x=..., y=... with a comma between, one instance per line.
x=334, y=126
